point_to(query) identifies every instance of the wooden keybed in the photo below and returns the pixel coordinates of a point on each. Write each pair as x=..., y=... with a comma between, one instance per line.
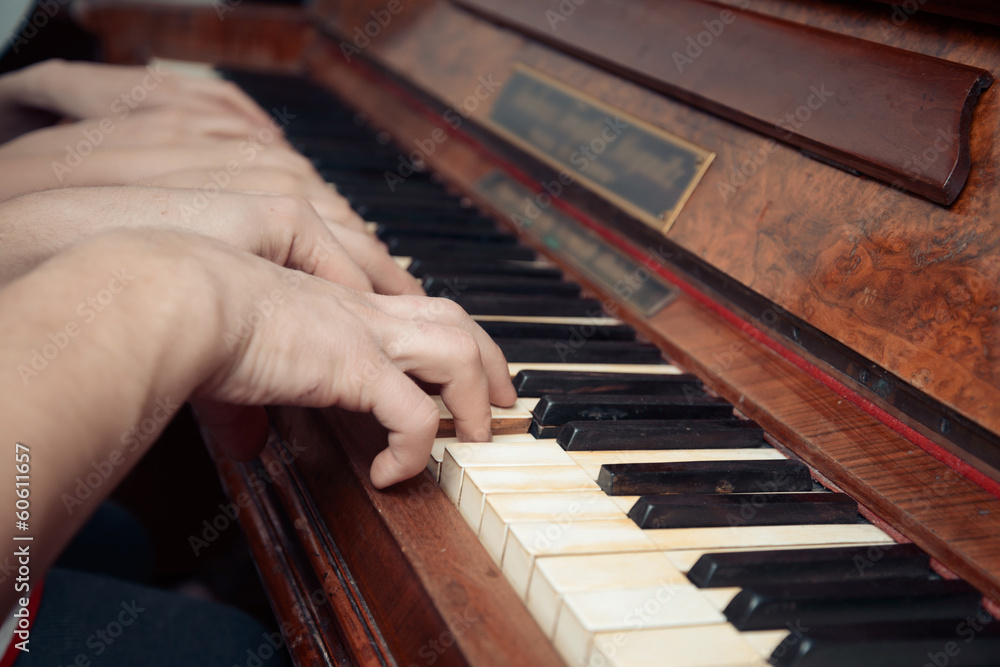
x=405, y=578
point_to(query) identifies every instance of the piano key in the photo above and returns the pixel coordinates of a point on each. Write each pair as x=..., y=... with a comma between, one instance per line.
x=435, y=284
x=967, y=642
x=459, y=457
x=591, y=464
x=553, y=412
x=421, y=267
x=697, y=646
x=542, y=383
x=505, y=304
x=505, y=509
x=439, y=230
x=660, y=434
x=743, y=509
x=527, y=542
x=750, y=537
x=464, y=249
x=771, y=607
x=548, y=330
x=593, y=461
x=557, y=576
x=514, y=419
x=746, y=477
x=480, y=483
x=584, y=614
x=752, y=568
x=437, y=449
x=651, y=369
x=588, y=351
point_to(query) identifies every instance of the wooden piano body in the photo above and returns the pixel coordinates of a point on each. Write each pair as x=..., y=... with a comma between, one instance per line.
x=856, y=321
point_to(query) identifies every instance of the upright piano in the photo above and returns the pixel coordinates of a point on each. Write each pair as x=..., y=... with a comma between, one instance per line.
x=743, y=258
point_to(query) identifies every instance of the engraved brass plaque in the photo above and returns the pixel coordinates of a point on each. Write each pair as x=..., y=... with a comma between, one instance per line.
x=640, y=168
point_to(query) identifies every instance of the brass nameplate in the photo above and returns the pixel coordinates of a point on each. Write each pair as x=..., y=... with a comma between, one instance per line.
x=630, y=281
x=640, y=168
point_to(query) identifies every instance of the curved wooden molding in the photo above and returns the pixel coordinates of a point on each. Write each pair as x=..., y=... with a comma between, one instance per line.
x=894, y=115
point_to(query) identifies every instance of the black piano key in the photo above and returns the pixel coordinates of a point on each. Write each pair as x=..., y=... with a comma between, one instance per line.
x=970, y=641
x=372, y=206
x=420, y=180
x=534, y=306
x=567, y=332
x=527, y=350
x=562, y=408
x=541, y=383
x=752, y=568
x=445, y=217
x=687, y=477
x=773, y=607
x=660, y=434
x=421, y=267
x=458, y=232
x=407, y=247
x=461, y=284
x=551, y=413
x=366, y=200
x=743, y=509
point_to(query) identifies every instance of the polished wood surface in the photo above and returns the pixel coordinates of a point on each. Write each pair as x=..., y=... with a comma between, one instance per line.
x=852, y=102
x=425, y=580
x=910, y=285
x=274, y=37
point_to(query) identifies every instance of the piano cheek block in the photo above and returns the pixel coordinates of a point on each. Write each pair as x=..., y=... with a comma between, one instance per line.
x=743, y=509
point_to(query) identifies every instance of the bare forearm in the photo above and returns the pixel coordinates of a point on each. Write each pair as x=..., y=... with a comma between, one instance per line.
x=96, y=344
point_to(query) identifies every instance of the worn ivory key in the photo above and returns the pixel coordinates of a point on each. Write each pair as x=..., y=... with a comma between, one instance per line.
x=461, y=456
x=586, y=613
x=515, y=419
x=558, y=576
x=527, y=542
x=437, y=450
x=505, y=509
x=479, y=483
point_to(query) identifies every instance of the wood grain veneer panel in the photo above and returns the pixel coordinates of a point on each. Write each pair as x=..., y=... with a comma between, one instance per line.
x=244, y=34
x=857, y=103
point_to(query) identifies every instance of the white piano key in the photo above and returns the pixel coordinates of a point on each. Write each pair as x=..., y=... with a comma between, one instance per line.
x=460, y=456
x=766, y=641
x=585, y=614
x=527, y=542
x=538, y=319
x=742, y=537
x=592, y=461
x=625, y=502
x=481, y=482
x=720, y=597
x=557, y=576
x=719, y=645
x=401, y=262
x=504, y=509
x=649, y=369
x=437, y=449
x=515, y=419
